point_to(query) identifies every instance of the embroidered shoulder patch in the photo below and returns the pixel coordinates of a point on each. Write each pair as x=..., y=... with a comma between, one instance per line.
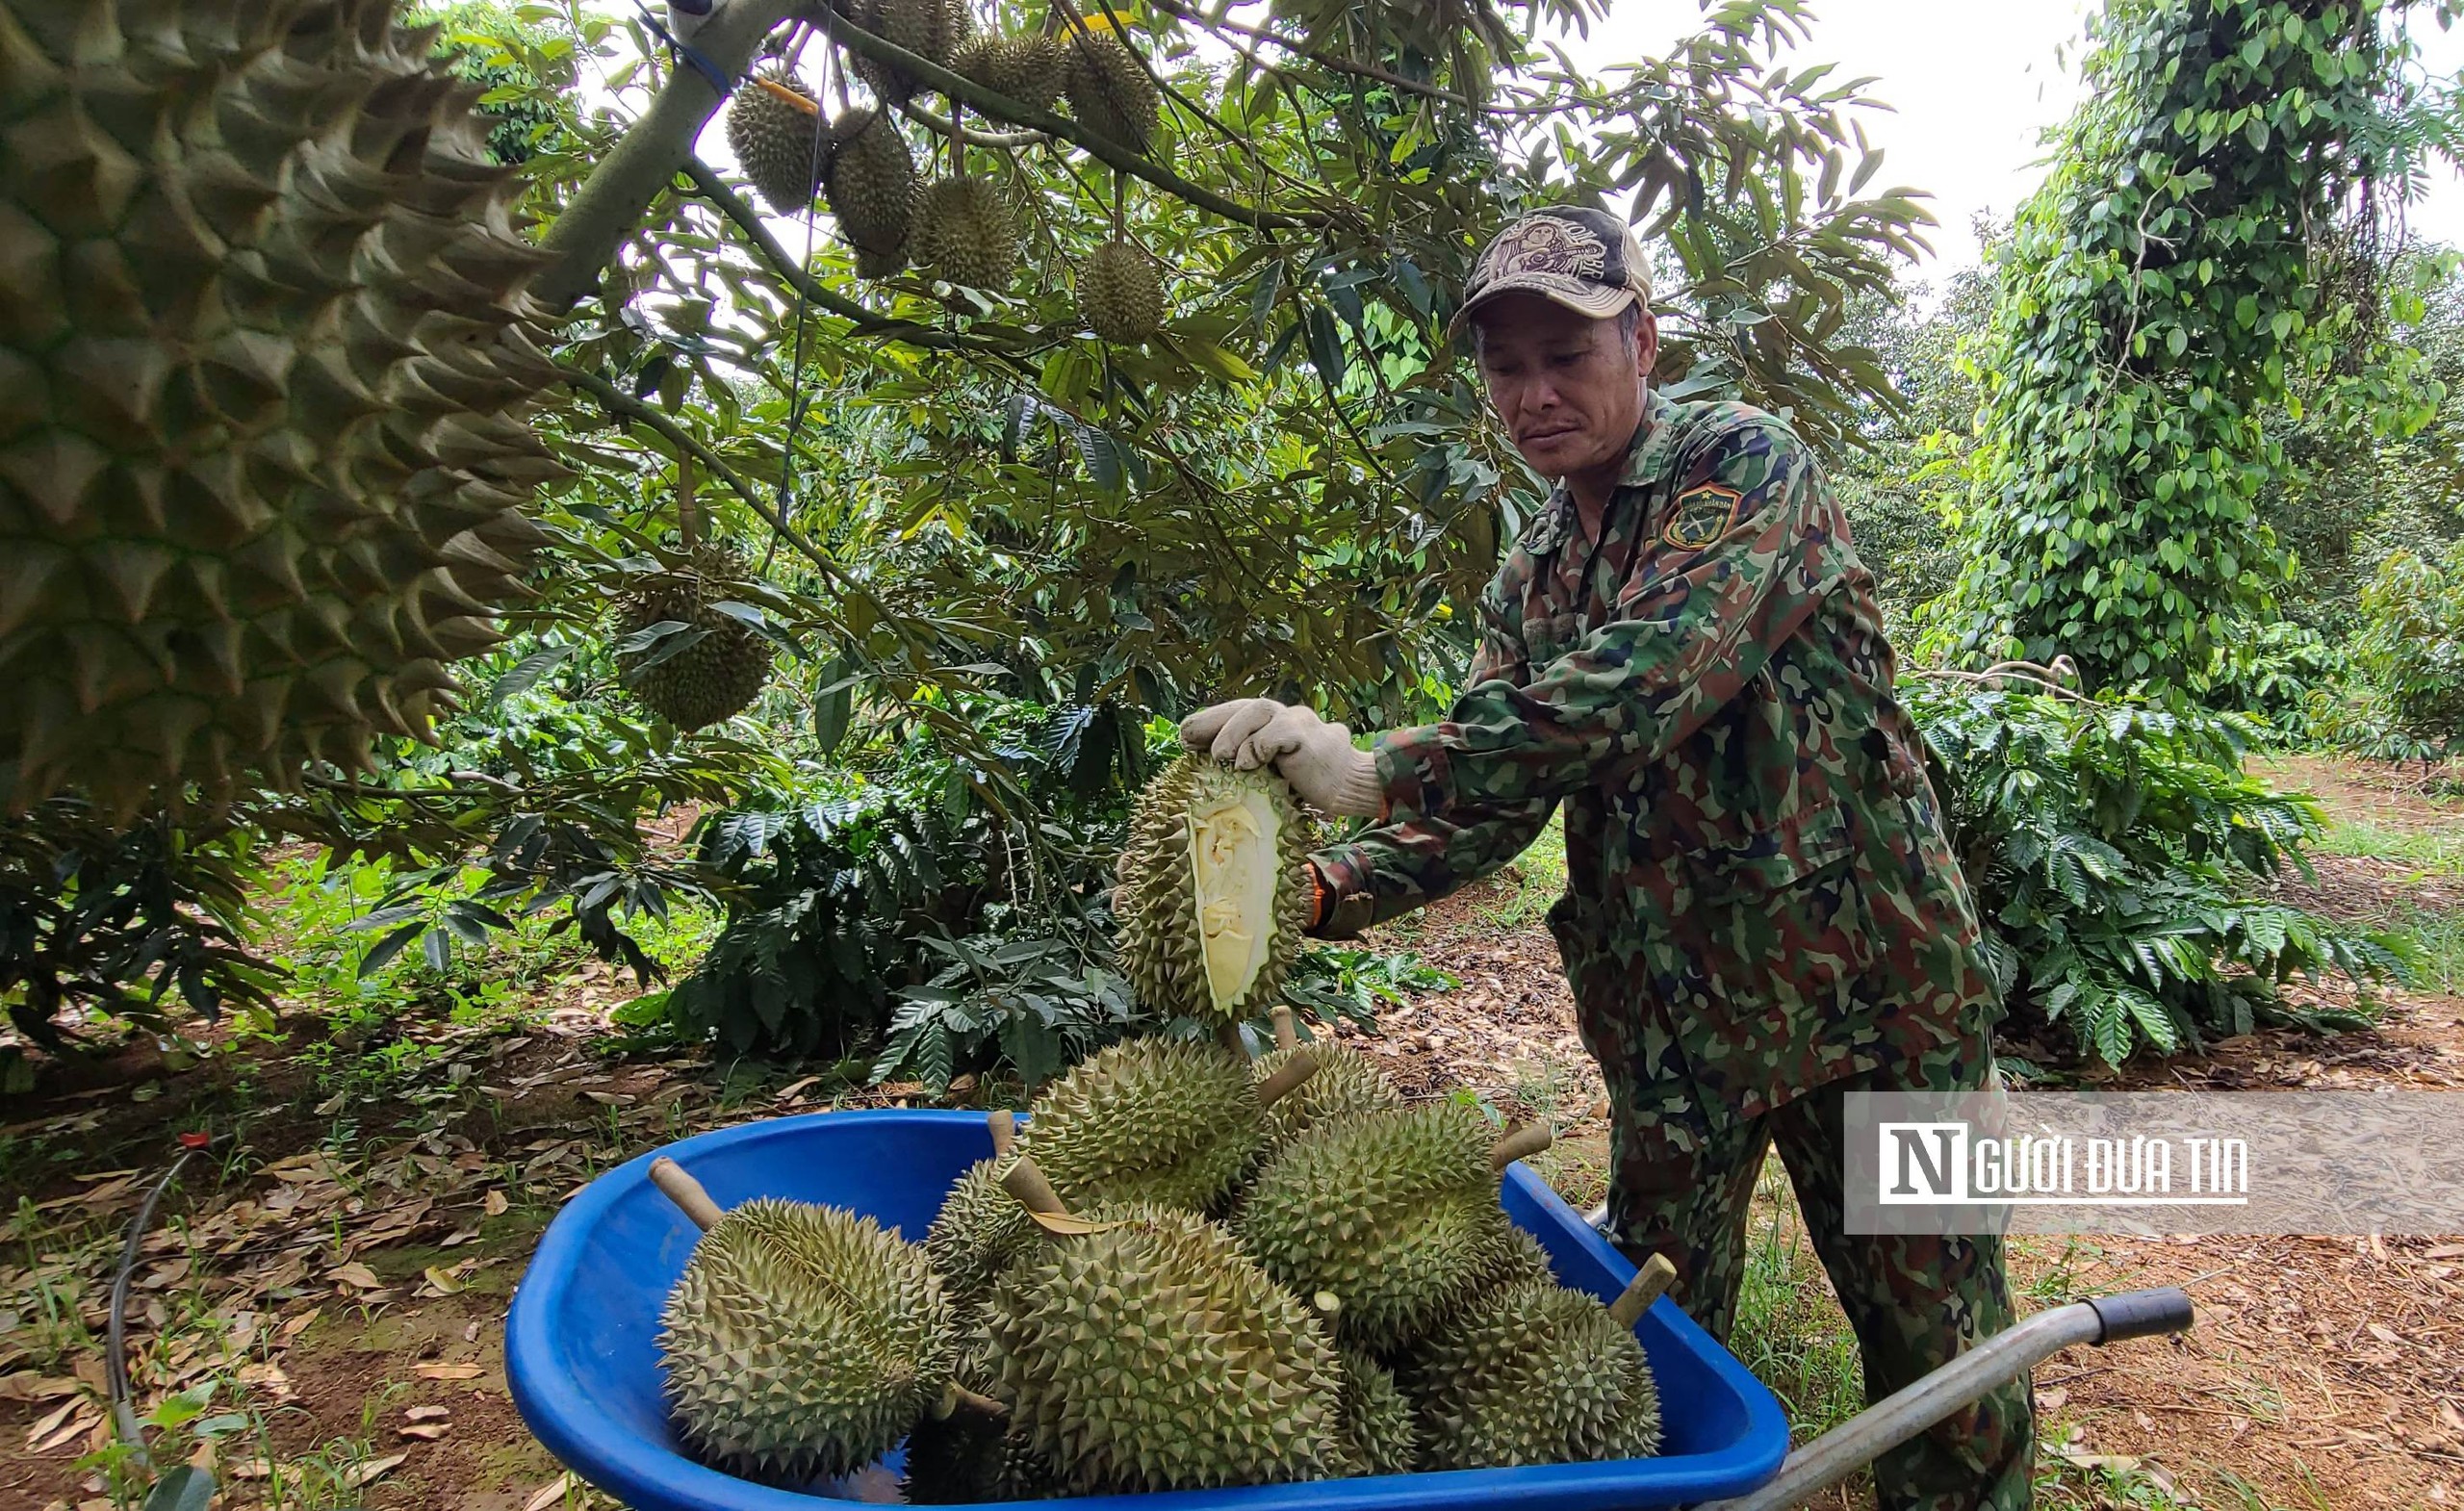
x=1701, y=516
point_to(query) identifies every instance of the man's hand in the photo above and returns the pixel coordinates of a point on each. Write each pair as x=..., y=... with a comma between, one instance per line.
x=1314, y=756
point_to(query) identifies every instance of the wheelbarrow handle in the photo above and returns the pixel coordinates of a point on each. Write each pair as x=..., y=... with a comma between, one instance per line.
x=2007, y=1356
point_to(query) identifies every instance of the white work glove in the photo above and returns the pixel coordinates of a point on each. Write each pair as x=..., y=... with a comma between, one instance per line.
x=1314, y=756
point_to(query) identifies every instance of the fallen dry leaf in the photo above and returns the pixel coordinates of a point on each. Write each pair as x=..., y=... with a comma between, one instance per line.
x=2052, y=1399
x=44, y=1425
x=424, y=1431
x=550, y=1493
x=248, y=1469
x=371, y=1470
x=447, y=1372
x=2385, y=1335
x=28, y=1386
x=496, y=1204
x=427, y=1413
x=357, y=1275
x=2446, y=1251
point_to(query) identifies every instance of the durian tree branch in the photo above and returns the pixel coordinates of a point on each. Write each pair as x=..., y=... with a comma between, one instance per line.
x=612, y=202
x=939, y=125
x=619, y=402
x=939, y=80
x=736, y=207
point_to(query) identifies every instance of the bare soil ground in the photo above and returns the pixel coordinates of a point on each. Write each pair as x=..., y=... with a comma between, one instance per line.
x=338, y=1266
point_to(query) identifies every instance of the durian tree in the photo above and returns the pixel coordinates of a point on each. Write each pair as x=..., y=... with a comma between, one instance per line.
x=1147, y=398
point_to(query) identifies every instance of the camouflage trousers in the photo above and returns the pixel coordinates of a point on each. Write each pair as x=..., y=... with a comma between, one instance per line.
x=1680, y=1186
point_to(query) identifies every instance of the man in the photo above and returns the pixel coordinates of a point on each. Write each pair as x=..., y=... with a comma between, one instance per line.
x=1762, y=912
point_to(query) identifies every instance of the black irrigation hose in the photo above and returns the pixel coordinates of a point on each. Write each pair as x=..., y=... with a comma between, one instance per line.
x=115, y=1357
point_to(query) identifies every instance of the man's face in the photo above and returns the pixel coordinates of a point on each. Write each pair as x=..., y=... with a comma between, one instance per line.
x=1568, y=388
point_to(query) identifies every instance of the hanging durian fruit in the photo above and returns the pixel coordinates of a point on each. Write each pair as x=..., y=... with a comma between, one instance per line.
x=1535, y=1373
x=718, y=674
x=869, y=184
x=264, y=354
x=1146, y=1353
x=1109, y=90
x=966, y=233
x=780, y=144
x=1154, y=1119
x=1030, y=70
x=1119, y=293
x=801, y=1339
x=1394, y=1215
x=1379, y=1432
x=1212, y=892
x=1346, y=1082
x=932, y=30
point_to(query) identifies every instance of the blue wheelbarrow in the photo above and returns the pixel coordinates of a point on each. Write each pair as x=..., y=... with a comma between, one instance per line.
x=582, y=1360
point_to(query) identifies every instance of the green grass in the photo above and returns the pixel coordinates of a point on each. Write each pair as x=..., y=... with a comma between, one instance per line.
x=1536, y=879
x=1789, y=1331
x=2437, y=851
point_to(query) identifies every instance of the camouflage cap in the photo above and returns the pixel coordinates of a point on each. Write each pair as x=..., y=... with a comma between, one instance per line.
x=1587, y=260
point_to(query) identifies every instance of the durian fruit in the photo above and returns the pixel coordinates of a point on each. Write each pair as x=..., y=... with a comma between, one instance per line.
x=780, y=147
x=966, y=233
x=1144, y=1351
x=1030, y=68
x=802, y=1340
x=932, y=30
x=1110, y=91
x=1394, y=1215
x=1381, y=1433
x=1119, y=293
x=1212, y=894
x=970, y=1457
x=869, y=184
x=265, y=356
x=715, y=676
x=1534, y=1374
x=981, y=1231
x=1346, y=1083
x=1162, y=1120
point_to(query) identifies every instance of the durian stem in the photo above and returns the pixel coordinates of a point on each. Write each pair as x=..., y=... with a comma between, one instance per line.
x=686, y=1193
x=1521, y=1143
x=689, y=513
x=1003, y=1125
x=1034, y=1193
x=1287, y=1034
x=1649, y=1284
x=956, y=1397
x=1283, y=1083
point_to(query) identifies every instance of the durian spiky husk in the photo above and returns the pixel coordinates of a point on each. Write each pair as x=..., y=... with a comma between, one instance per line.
x=1396, y=1213
x=1149, y=1119
x=1534, y=1374
x=1030, y=68
x=932, y=30
x=969, y=1458
x=802, y=1340
x=1212, y=897
x=966, y=232
x=1380, y=1434
x=264, y=355
x=781, y=148
x=1109, y=90
x=1345, y=1084
x=1152, y=1354
x=1120, y=294
x=869, y=183
x=981, y=1231
x=715, y=676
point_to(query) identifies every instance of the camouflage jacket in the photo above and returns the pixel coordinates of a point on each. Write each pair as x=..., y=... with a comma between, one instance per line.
x=1760, y=897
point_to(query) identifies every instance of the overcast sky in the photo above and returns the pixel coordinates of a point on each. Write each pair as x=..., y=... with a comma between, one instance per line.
x=1972, y=84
